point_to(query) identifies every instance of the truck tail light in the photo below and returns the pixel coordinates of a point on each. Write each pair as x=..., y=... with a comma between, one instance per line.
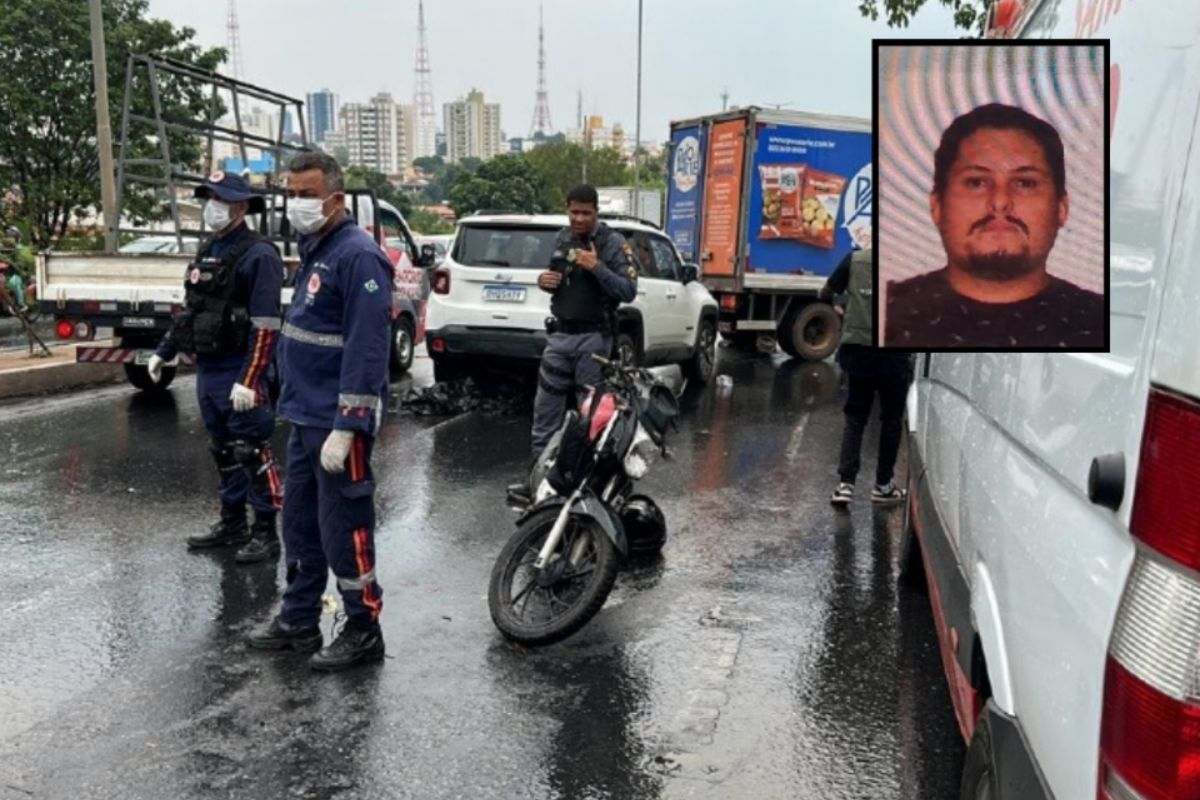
x=91, y=306
x=729, y=302
x=83, y=330
x=65, y=329
x=1150, y=730
x=441, y=281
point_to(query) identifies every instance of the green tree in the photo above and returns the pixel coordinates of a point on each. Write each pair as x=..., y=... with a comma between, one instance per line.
x=430, y=165
x=507, y=182
x=562, y=165
x=969, y=15
x=438, y=190
x=426, y=223
x=47, y=105
x=359, y=177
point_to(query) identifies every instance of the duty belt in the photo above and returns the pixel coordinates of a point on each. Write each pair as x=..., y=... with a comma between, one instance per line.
x=309, y=337
x=578, y=326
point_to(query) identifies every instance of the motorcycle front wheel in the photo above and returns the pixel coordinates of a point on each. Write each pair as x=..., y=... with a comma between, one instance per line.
x=537, y=607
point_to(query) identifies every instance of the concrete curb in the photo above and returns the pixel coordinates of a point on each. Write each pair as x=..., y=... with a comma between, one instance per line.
x=34, y=379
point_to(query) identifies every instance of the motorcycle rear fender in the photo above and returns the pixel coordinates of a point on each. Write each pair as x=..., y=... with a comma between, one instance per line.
x=588, y=506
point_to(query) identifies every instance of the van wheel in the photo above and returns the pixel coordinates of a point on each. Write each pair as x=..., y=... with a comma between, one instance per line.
x=980, y=778
x=139, y=376
x=403, y=338
x=912, y=568
x=810, y=332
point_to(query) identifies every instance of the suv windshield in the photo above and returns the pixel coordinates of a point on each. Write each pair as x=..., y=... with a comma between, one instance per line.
x=505, y=246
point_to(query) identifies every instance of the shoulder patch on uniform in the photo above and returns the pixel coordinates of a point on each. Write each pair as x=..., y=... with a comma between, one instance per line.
x=631, y=272
x=371, y=286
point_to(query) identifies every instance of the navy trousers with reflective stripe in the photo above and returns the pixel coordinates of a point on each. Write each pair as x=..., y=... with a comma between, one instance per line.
x=328, y=523
x=213, y=385
x=566, y=365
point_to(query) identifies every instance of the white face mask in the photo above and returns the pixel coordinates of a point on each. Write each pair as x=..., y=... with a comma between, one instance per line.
x=216, y=215
x=306, y=214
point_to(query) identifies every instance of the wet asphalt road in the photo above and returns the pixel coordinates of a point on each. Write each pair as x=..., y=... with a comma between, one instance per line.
x=768, y=654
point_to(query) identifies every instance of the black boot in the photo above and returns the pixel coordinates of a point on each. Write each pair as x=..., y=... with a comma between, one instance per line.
x=359, y=642
x=229, y=529
x=281, y=636
x=264, y=540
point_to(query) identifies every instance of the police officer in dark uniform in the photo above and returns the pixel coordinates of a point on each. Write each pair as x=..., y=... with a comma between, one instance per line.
x=334, y=357
x=230, y=322
x=591, y=273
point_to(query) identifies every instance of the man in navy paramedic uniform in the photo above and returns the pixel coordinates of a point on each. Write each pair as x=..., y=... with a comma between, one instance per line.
x=230, y=322
x=334, y=359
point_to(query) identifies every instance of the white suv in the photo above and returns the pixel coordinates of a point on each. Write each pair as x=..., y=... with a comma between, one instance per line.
x=485, y=304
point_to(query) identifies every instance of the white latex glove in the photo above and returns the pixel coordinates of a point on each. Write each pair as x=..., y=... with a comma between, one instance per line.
x=154, y=367
x=244, y=398
x=335, y=451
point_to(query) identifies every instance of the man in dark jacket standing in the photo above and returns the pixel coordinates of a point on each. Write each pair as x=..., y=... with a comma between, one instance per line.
x=231, y=323
x=871, y=371
x=334, y=356
x=591, y=273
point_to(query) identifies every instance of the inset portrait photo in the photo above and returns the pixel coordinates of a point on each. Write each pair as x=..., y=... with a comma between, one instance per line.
x=991, y=194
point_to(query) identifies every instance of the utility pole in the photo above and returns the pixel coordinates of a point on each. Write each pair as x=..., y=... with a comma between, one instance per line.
x=637, y=134
x=725, y=100
x=108, y=187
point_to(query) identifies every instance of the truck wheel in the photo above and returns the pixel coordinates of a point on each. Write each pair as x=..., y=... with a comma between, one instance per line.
x=980, y=776
x=139, y=376
x=701, y=365
x=403, y=338
x=811, y=332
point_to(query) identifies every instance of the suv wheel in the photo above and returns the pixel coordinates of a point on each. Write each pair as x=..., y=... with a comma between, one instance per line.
x=702, y=363
x=626, y=350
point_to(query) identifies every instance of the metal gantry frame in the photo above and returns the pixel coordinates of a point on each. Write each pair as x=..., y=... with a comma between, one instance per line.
x=175, y=177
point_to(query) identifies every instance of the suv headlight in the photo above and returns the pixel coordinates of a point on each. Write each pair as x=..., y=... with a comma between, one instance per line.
x=641, y=455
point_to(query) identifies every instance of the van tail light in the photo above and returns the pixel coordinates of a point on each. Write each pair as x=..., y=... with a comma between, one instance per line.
x=441, y=281
x=1150, y=731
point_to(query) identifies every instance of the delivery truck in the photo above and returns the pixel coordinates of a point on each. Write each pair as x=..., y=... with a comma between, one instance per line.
x=767, y=203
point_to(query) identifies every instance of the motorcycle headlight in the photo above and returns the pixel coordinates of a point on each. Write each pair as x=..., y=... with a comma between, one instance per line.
x=641, y=455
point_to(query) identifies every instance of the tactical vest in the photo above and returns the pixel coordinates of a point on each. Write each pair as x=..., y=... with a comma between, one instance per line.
x=215, y=320
x=579, y=298
x=857, y=323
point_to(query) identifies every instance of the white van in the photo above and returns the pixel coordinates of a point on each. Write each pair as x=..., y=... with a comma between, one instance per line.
x=1056, y=498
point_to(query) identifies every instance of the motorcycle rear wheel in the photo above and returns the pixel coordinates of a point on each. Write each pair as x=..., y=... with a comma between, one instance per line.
x=569, y=599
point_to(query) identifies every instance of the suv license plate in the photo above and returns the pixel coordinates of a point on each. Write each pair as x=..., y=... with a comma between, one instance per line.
x=504, y=294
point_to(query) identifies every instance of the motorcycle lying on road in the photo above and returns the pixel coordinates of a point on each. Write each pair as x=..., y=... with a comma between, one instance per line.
x=557, y=569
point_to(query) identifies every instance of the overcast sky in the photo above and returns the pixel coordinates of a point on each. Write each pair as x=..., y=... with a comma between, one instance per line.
x=814, y=55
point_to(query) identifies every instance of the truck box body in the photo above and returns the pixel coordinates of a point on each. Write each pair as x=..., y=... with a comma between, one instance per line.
x=768, y=203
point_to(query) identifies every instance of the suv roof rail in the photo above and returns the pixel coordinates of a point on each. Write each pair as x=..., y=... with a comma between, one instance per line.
x=496, y=212
x=628, y=218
